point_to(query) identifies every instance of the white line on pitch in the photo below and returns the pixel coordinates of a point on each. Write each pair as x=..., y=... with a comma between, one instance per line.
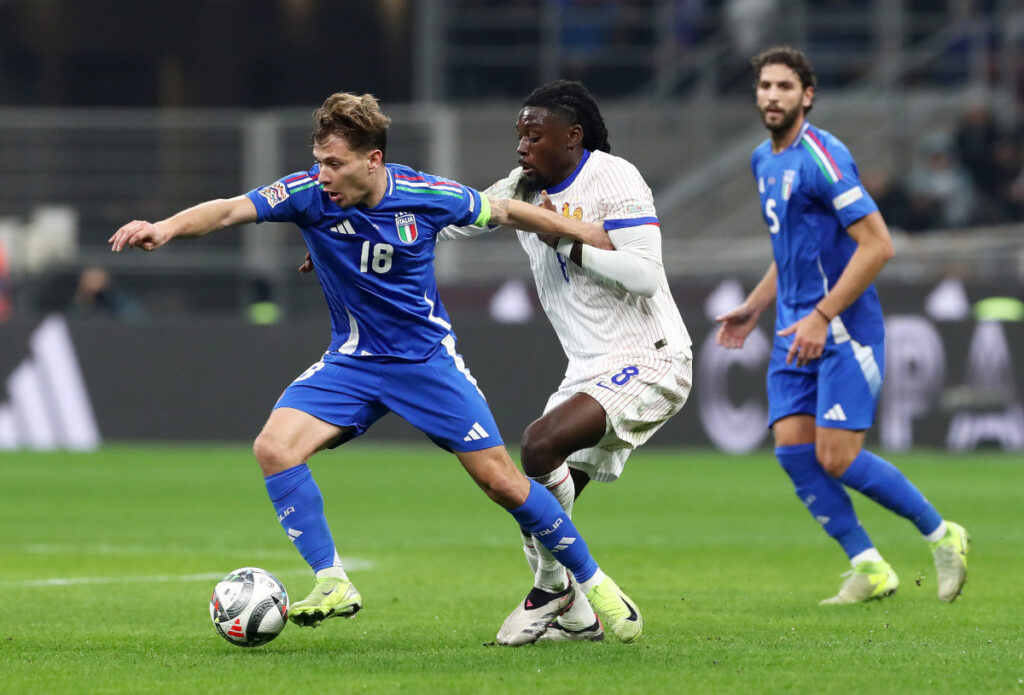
x=350, y=564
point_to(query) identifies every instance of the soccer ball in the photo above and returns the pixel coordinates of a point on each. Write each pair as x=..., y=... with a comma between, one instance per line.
x=249, y=607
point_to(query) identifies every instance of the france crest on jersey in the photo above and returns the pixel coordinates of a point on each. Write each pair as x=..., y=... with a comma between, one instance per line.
x=810, y=193
x=375, y=265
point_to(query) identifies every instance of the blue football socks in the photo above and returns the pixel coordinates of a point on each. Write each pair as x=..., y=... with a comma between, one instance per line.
x=542, y=516
x=300, y=509
x=885, y=483
x=824, y=497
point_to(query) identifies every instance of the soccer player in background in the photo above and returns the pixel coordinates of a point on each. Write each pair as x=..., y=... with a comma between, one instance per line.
x=825, y=374
x=370, y=228
x=629, y=353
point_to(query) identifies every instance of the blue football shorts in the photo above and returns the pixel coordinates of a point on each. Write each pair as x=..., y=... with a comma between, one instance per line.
x=840, y=389
x=437, y=396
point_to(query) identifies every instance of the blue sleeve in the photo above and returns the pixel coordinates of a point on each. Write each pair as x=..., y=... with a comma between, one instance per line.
x=837, y=181
x=471, y=208
x=292, y=198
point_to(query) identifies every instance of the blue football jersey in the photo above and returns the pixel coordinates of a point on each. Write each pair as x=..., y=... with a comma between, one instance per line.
x=375, y=265
x=810, y=193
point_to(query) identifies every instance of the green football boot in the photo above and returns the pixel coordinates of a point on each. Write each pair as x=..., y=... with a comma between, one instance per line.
x=618, y=613
x=332, y=597
x=950, y=553
x=865, y=582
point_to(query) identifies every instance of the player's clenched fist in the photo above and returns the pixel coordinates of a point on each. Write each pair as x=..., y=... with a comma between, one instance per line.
x=138, y=234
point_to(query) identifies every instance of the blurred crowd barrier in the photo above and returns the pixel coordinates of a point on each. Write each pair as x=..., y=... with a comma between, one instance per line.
x=954, y=373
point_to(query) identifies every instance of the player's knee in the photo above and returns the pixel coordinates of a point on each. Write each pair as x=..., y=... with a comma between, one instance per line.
x=271, y=454
x=539, y=449
x=834, y=459
x=506, y=490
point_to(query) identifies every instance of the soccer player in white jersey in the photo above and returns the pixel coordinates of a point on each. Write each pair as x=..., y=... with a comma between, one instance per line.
x=629, y=353
x=829, y=243
x=370, y=227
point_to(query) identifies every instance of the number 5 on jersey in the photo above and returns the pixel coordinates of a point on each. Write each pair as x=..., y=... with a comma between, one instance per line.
x=769, y=212
x=380, y=261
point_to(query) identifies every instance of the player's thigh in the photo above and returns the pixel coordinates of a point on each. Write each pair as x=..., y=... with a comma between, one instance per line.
x=638, y=397
x=343, y=393
x=793, y=430
x=440, y=398
x=849, y=385
x=290, y=437
x=792, y=390
x=576, y=422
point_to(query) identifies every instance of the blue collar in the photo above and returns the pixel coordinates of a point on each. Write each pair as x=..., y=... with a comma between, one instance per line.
x=572, y=177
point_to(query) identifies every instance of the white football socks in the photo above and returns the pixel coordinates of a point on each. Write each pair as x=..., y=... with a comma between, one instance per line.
x=336, y=570
x=869, y=555
x=937, y=534
x=549, y=574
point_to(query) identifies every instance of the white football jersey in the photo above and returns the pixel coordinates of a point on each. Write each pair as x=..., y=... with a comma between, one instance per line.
x=597, y=321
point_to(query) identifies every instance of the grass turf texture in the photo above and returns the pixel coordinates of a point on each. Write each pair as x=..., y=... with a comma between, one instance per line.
x=724, y=562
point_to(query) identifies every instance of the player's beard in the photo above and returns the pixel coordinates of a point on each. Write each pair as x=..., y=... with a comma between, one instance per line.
x=788, y=119
x=527, y=188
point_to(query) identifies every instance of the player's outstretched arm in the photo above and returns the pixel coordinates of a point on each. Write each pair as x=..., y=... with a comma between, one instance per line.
x=738, y=323
x=531, y=218
x=195, y=221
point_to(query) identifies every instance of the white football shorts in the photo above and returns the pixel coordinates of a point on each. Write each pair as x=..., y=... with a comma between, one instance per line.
x=638, y=397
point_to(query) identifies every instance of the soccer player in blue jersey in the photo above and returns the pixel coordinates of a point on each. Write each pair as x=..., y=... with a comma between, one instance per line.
x=370, y=228
x=825, y=373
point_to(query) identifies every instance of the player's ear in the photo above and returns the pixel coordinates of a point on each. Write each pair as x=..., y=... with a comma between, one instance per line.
x=374, y=160
x=574, y=136
x=808, y=97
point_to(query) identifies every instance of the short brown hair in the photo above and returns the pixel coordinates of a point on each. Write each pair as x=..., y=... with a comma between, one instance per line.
x=357, y=119
x=792, y=59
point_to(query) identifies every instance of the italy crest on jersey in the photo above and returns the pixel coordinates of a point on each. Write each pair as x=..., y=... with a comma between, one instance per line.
x=406, y=225
x=787, y=183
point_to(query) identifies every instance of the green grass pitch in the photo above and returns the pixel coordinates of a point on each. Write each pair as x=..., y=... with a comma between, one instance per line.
x=107, y=562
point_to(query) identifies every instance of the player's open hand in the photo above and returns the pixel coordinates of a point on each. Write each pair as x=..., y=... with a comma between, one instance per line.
x=138, y=234
x=736, y=326
x=809, y=336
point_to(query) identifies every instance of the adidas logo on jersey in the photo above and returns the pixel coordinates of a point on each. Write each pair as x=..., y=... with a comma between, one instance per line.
x=836, y=413
x=48, y=405
x=477, y=432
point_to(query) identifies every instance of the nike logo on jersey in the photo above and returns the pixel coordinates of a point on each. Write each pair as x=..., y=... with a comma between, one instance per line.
x=836, y=413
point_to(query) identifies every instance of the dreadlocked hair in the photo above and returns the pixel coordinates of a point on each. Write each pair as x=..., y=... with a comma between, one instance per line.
x=574, y=103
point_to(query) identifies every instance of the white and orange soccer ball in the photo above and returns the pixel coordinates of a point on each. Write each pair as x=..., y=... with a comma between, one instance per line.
x=249, y=607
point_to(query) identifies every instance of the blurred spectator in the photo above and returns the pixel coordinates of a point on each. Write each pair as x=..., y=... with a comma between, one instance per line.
x=992, y=161
x=892, y=200
x=939, y=184
x=749, y=22
x=96, y=296
x=590, y=30
x=263, y=310
x=689, y=23
x=975, y=139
